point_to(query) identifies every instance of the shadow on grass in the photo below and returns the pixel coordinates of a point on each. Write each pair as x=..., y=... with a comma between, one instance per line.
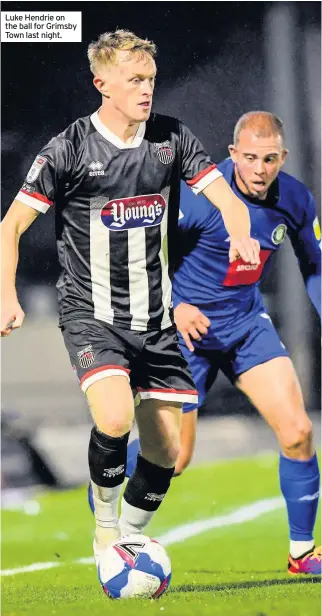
x=240, y=585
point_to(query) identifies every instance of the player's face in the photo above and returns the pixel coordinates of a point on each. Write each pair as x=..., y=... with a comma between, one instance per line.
x=129, y=84
x=257, y=162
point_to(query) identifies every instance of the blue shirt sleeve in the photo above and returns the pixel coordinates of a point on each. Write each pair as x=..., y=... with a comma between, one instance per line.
x=307, y=247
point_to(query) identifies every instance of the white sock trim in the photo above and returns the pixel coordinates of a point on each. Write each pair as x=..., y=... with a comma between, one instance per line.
x=133, y=520
x=106, y=502
x=297, y=548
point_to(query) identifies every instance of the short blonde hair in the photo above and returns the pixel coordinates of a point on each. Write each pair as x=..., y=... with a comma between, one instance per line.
x=103, y=51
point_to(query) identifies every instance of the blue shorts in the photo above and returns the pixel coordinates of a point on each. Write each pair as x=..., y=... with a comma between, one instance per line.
x=260, y=344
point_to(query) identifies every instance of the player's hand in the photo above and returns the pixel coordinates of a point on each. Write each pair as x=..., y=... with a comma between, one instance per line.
x=246, y=248
x=190, y=323
x=12, y=317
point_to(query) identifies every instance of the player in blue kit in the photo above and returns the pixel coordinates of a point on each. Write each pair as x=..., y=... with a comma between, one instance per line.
x=223, y=323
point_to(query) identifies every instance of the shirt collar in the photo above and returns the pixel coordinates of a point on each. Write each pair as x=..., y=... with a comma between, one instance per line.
x=112, y=138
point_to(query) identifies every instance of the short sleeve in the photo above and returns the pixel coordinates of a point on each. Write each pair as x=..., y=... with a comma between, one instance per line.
x=197, y=168
x=47, y=175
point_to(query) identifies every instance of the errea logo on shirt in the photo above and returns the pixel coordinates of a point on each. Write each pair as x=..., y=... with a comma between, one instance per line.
x=96, y=168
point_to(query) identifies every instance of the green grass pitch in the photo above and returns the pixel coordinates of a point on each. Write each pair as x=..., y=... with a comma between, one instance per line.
x=235, y=570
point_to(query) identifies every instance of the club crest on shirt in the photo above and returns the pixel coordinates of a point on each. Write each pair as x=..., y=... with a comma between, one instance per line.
x=133, y=212
x=86, y=357
x=279, y=234
x=35, y=168
x=164, y=152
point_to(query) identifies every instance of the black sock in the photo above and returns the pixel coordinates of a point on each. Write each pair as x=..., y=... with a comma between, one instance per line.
x=107, y=458
x=143, y=495
x=148, y=485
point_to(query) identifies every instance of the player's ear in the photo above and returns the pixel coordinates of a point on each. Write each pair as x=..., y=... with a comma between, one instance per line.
x=232, y=152
x=284, y=154
x=101, y=85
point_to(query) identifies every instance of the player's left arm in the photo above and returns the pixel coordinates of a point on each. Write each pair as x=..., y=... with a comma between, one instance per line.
x=202, y=175
x=306, y=242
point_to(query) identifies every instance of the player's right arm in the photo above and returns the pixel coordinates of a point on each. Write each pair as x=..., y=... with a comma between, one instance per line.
x=17, y=220
x=46, y=177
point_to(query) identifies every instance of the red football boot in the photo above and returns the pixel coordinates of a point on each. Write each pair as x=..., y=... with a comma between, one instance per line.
x=309, y=563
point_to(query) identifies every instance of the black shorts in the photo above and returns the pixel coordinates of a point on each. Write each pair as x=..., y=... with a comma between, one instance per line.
x=152, y=361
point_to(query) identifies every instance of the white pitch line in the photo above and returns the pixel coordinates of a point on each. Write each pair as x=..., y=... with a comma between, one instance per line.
x=182, y=532
x=244, y=514
x=30, y=568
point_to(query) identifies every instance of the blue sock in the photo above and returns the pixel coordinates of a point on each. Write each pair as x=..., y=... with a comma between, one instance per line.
x=299, y=481
x=133, y=450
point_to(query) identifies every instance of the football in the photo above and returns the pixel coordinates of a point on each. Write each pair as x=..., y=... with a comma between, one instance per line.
x=135, y=566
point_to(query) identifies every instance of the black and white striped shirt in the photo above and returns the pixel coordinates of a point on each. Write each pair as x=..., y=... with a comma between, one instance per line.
x=116, y=215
